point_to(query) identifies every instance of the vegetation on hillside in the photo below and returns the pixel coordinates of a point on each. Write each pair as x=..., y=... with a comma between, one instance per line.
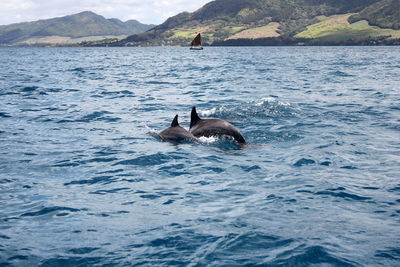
x=233, y=22
x=84, y=24
x=338, y=29
x=385, y=14
x=267, y=31
x=224, y=21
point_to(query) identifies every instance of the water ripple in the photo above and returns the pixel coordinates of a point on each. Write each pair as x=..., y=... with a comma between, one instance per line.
x=47, y=210
x=83, y=175
x=148, y=160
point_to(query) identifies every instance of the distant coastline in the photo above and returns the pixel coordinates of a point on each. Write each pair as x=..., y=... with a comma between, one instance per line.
x=226, y=23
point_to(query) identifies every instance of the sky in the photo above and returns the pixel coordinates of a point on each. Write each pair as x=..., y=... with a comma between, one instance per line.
x=145, y=11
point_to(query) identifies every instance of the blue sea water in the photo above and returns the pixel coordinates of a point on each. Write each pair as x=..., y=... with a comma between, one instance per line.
x=85, y=182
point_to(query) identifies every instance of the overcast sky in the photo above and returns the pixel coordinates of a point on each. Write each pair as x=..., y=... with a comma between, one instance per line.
x=145, y=11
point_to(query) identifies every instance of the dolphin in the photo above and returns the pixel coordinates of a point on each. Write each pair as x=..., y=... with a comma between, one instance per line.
x=213, y=127
x=176, y=133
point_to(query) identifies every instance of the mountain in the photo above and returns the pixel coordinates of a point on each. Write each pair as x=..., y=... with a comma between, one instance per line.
x=279, y=22
x=69, y=29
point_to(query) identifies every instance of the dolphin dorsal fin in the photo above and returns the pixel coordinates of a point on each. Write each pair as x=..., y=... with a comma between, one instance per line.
x=194, y=118
x=175, y=121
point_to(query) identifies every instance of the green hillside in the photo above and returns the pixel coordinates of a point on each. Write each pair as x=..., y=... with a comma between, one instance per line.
x=338, y=29
x=385, y=14
x=78, y=26
x=237, y=22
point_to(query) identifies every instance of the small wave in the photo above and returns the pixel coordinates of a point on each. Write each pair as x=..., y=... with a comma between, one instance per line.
x=390, y=253
x=159, y=83
x=340, y=74
x=247, y=168
x=5, y=181
x=98, y=116
x=111, y=191
x=117, y=94
x=148, y=160
x=4, y=115
x=325, y=163
x=66, y=163
x=339, y=192
x=80, y=70
x=106, y=179
x=309, y=255
x=64, y=121
x=4, y=237
x=8, y=93
x=349, y=167
x=18, y=257
x=395, y=189
x=28, y=89
x=370, y=187
x=248, y=249
x=83, y=250
x=48, y=210
x=74, y=261
x=215, y=169
x=174, y=170
x=101, y=160
x=343, y=195
x=268, y=107
x=150, y=196
x=93, y=115
x=304, y=161
x=171, y=246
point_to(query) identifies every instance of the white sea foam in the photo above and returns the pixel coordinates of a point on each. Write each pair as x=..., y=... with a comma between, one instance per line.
x=208, y=140
x=265, y=100
x=271, y=100
x=208, y=112
x=151, y=131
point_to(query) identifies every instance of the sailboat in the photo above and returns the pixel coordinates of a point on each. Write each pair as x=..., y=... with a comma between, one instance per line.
x=196, y=44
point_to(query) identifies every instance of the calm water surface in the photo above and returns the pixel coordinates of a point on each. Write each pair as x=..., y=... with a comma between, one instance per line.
x=84, y=182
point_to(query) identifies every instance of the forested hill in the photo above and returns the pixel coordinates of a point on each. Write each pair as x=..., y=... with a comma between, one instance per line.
x=78, y=27
x=385, y=14
x=269, y=22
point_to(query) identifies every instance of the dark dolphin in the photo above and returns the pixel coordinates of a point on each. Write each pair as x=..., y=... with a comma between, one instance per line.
x=213, y=127
x=176, y=133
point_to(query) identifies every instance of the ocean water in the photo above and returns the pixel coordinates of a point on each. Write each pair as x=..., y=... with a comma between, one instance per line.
x=84, y=180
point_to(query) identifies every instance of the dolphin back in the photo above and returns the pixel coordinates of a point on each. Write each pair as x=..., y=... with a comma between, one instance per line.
x=176, y=133
x=217, y=127
x=213, y=127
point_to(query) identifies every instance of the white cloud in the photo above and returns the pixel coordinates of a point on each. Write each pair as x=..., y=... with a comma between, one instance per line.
x=150, y=11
